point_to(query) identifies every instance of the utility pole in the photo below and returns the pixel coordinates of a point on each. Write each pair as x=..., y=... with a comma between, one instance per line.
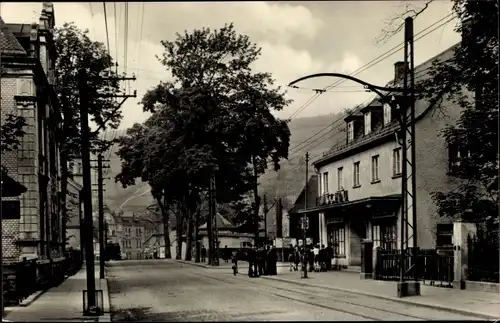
x=305, y=222
x=265, y=217
x=87, y=193
x=101, y=216
x=212, y=223
x=408, y=232
x=256, y=202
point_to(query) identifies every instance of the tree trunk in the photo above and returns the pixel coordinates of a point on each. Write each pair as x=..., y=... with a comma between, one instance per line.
x=197, y=236
x=178, y=255
x=63, y=198
x=189, y=236
x=166, y=230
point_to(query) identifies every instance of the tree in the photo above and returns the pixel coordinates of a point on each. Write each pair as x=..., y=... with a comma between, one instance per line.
x=470, y=81
x=75, y=51
x=214, y=117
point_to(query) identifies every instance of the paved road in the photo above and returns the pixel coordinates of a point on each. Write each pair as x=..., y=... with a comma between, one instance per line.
x=164, y=290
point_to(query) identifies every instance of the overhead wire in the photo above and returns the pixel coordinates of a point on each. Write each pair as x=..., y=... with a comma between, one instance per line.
x=106, y=25
x=116, y=37
x=372, y=63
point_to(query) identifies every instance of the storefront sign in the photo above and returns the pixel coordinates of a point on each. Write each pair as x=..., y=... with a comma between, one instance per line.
x=334, y=198
x=333, y=221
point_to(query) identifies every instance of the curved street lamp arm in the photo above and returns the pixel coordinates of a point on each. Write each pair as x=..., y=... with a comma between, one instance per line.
x=374, y=88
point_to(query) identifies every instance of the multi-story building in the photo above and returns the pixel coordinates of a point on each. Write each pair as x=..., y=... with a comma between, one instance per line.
x=27, y=78
x=75, y=213
x=359, y=180
x=133, y=235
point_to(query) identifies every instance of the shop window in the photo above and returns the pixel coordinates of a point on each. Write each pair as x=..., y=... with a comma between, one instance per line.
x=337, y=239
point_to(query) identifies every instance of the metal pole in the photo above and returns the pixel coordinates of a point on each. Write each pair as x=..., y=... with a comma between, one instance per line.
x=304, y=222
x=409, y=25
x=1, y=219
x=101, y=215
x=87, y=189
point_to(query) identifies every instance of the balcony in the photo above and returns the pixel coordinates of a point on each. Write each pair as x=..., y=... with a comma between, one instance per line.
x=332, y=198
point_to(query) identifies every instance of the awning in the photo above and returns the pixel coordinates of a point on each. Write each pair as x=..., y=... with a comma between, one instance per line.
x=11, y=187
x=395, y=198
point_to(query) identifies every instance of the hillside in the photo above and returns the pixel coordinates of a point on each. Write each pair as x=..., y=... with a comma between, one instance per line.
x=288, y=182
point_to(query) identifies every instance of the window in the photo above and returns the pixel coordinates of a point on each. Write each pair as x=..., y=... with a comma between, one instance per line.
x=387, y=114
x=320, y=185
x=396, y=162
x=368, y=123
x=325, y=182
x=337, y=239
x=375, y=177
x=356, y=174
x=444, y=236
x=384, y=236
x=350, y=131
x=340, y=179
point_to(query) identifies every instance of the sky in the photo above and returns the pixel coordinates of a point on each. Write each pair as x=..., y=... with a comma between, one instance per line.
x=297, y=39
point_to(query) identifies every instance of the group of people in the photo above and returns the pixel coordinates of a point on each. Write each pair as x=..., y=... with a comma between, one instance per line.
x=316, y=258
x=262, y=261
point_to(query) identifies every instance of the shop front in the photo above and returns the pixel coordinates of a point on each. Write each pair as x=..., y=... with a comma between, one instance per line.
x=345, y=224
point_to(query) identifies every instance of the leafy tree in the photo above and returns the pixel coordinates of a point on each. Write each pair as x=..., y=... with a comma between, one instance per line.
x=214, y=117
x=470, y=81
x=75, y=51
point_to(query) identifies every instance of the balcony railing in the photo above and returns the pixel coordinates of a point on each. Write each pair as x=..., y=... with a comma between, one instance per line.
x=332, y=198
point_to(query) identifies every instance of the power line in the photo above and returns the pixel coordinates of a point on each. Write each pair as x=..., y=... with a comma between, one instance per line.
x=106, y=24
x=116, y=36
x=125, y=59
x=140, y=35
x=363, y=68
x=374, y=62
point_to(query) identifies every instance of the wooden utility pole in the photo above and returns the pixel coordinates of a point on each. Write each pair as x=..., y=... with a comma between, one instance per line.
x=101, y=215
x=87, y=193
x=265, y=217
x=256, y=217
x=305, y=222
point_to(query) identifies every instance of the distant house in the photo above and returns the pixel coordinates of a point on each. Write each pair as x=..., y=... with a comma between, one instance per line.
x=228, y=234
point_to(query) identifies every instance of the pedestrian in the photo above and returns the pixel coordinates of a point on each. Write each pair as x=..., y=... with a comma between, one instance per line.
x=296, y=260
x=273, y=259
x=329, y=257
x=267, y=260
x=203, y=253
x=226, y=254
x=322, y=258
x=261, y=260
x=316, y=257
x=310, y=256
x=234, y=260
x=291, y=257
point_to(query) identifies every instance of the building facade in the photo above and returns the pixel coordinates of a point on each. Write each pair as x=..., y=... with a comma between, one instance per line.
x=75, y=213
x=27, y=78
x=359, y=180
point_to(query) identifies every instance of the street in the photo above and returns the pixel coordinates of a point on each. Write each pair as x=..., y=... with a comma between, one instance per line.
x=165, y=290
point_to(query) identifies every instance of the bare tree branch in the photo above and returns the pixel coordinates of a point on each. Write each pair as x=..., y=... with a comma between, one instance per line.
x=395, y=23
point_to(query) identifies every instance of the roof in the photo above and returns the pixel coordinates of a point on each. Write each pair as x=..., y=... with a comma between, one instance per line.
x=222, y=223
x=421, y=108
x=8, y=42
x=312, y=194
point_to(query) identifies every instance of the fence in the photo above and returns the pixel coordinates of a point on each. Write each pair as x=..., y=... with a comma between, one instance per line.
x=22, y=279
x=431, y=265
x=483, y=258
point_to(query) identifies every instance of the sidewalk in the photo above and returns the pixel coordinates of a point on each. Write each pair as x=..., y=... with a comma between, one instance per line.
x=480, y=304
x=62, y=303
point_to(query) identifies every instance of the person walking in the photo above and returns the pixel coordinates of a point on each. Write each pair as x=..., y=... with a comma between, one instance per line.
x=273, y=260
x=203, y=254
x=291, y=257
x=251, y=257
x=226, y=254
x=329, y=257
x=234, y=261
x=316, y=258
x=296, y=258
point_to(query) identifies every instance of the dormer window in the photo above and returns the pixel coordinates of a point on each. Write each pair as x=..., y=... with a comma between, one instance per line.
x=350, y=131
x=387, y=114
x=368, y=123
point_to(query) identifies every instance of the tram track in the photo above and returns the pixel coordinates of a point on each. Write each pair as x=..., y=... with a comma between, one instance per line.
x=320, y=298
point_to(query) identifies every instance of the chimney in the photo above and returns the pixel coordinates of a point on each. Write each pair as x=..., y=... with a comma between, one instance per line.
x=47, y=17
x=399, y=70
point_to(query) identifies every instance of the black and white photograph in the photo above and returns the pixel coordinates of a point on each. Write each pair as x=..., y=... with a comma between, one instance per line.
x=249, y=161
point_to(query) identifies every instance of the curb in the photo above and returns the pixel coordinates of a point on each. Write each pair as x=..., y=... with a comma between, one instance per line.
x=106, y=317
x=32, y=298
x=394, y=299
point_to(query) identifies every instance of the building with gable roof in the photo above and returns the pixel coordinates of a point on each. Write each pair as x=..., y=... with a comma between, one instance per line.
x=33, y=227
